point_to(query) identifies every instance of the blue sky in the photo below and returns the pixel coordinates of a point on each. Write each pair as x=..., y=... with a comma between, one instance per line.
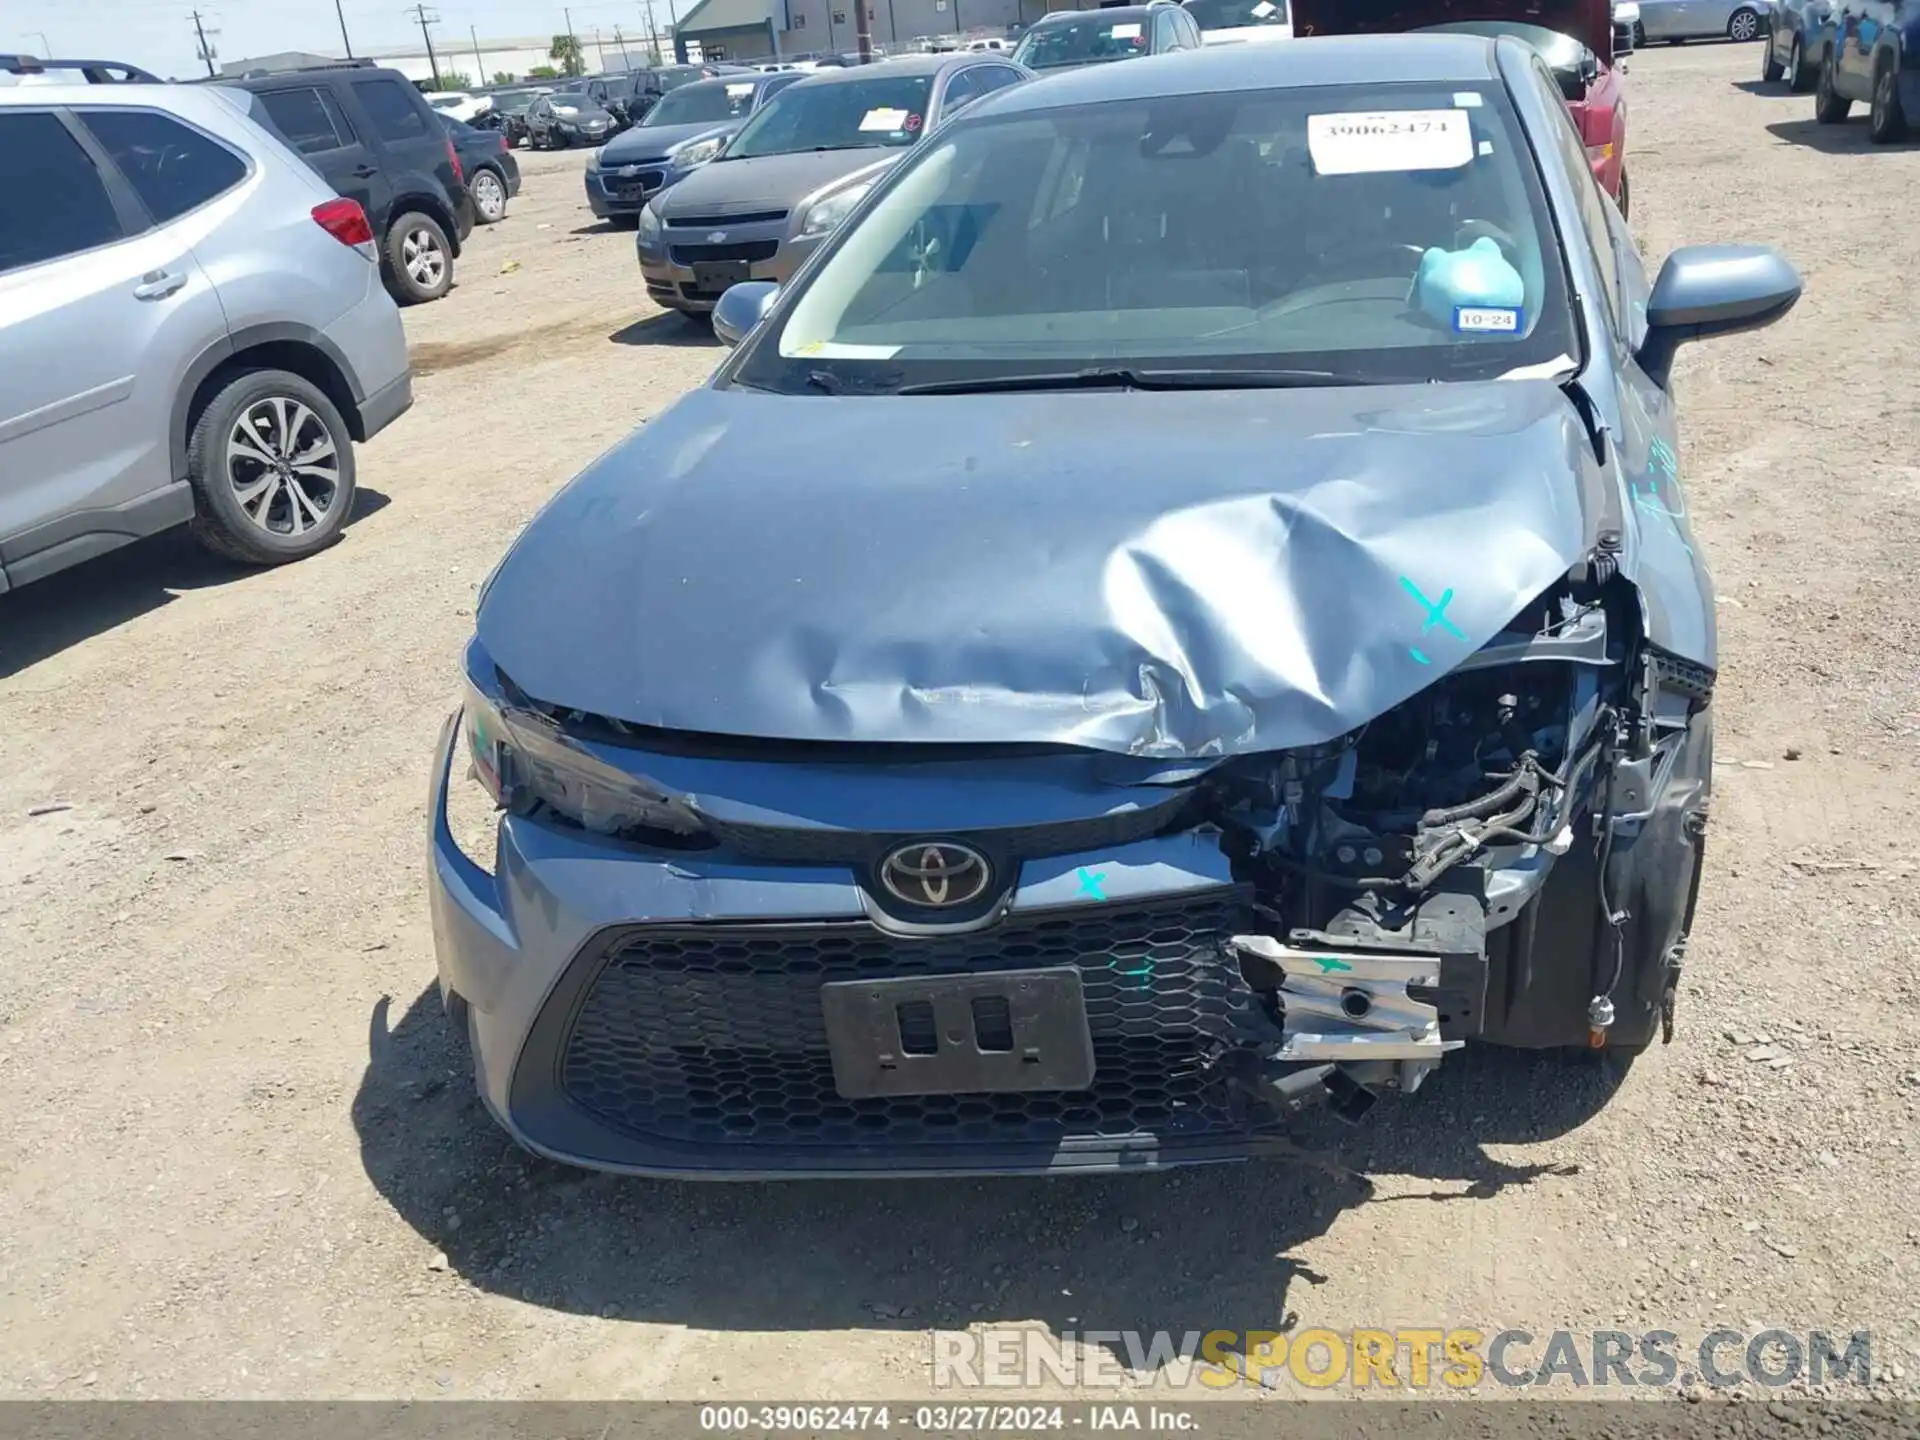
x=158, y=35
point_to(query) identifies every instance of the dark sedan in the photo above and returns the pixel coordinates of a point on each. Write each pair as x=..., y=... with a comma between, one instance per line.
x=1185, y=609
x=685, y=130
x=568, y=117
x=493, y=175
x=796, y=169
x=509, y=112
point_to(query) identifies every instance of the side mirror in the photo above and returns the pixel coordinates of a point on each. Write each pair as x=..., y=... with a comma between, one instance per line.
x=741, y=307
x=1707, y=290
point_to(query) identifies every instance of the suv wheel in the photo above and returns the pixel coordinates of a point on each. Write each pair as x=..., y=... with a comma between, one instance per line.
x=1743, y=25
x=1797, y=77
x=1886, y=121
x=419, y=259
x=1830, y=107
x=271, y=465
x=489, y=197
x=1770, y=67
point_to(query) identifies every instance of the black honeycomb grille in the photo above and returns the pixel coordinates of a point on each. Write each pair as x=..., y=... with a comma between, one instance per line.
x=714, y=1035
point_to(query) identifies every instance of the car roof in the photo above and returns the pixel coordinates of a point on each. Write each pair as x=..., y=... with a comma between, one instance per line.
x=161, y=95
x=1328, y=60
x=1105, y=12
x=897, y=65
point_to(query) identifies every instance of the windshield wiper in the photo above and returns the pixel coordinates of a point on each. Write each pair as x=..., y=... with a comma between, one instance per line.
x=1101, y=377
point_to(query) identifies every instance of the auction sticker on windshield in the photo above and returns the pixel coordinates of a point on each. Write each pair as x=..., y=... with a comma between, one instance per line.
x=885, y=120
x=1388, y=140
x=1125, y=32
x=734, y=91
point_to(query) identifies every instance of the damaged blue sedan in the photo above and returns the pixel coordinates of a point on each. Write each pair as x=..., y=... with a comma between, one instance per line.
x=1184, y=609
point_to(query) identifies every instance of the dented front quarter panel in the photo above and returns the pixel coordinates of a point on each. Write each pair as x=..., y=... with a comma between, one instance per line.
x=1188, y=575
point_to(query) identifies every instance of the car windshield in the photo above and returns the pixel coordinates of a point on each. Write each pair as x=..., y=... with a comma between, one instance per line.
x=1237, y=14
x=1561, y=52
x=708, y=103
x=1088, y=39
x=837, y=115
x=446, y=102
x=1371, y=233
x=572, y=100
x=674, y=76
x=514, y=102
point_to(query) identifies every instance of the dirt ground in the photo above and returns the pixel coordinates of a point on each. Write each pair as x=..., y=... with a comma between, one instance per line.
x=237, y=1159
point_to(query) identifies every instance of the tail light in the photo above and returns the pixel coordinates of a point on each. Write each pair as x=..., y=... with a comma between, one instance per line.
x=346, y=222
x=453, y=159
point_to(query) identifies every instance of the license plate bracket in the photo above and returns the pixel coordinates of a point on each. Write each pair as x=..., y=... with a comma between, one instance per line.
x=1002, y=1032
x=719, y=274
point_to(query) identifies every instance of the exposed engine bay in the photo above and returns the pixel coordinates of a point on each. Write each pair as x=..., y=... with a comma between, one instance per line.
x=1511, y=854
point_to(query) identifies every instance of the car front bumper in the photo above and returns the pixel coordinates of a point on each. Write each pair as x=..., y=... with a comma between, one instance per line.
x=688, y=267
x=626, y=189
x=662, y=1014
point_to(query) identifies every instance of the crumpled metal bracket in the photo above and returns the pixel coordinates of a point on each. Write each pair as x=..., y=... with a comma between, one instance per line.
x=1352, y=1006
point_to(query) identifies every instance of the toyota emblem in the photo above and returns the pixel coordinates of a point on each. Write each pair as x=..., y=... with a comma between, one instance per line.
x=716, y=237
x=935, y=874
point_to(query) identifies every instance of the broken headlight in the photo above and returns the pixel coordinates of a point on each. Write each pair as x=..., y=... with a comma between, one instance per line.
x=528, y=762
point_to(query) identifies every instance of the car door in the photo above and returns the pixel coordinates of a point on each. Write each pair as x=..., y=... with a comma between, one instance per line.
x=1664, y=19
x=102, y=308
x=309, y=119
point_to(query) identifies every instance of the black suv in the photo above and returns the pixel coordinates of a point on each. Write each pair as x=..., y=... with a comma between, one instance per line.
x=373, y=137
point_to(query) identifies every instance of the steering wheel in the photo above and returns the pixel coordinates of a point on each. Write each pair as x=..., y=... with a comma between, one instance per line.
x=1366, y=261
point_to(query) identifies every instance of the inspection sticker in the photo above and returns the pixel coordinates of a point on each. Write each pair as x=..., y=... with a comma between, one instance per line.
x=1125, y=32
x=1386, y=140
x=735, y=91
x=886, y=120
x=1485, y=319
x=1263, y=9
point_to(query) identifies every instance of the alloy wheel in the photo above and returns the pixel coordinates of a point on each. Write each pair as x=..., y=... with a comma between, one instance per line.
x=489, y=195
x=1744, y=25
x=425, y=261
x=282, y=465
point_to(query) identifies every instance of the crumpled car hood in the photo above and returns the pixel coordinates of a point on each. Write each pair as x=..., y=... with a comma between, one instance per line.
x=1165, y=574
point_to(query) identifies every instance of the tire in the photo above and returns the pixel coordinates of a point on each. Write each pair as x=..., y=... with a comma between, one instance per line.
x=1799, y=78
x=1744, y=25
x=1886, y=120
x=1830, y=107
x=1677, y=40
x=250, y=509
x=1770, y=69
x=1639, y=36
x=489, y=193
x=419, y=259
x=1623, y=197
x=624, y=222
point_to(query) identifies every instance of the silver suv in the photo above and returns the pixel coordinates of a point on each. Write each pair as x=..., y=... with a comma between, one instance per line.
x=193, y=330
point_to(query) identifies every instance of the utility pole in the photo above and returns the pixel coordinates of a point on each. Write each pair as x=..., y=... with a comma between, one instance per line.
x=573, y=44
x=600, y=49
x=862, y=31
x=621, y=41
x=479, y=65
x=673, y=20
x=206, y=47
x=428, y=17
x=653, y=35
x=343, y=28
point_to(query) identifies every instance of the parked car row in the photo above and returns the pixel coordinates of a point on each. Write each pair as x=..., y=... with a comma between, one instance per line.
x=1850, y=52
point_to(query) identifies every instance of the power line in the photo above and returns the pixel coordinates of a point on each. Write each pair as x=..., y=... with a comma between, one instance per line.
x=206, y=51
x=428, y=17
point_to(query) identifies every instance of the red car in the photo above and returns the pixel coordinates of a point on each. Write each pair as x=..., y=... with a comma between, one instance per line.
x=1574, y=37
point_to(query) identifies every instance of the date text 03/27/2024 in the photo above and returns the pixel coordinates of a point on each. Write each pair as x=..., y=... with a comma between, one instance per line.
x=940, y=1419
